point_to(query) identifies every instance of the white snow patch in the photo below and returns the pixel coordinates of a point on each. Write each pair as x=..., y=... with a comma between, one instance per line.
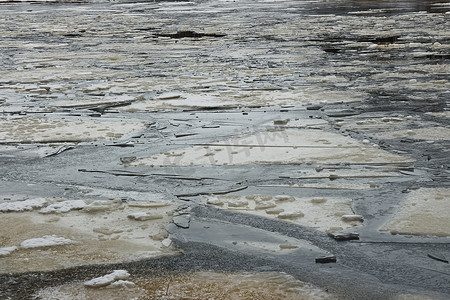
x=45, y=241
x=107, y=279
x=18, y=206
x=7, y=250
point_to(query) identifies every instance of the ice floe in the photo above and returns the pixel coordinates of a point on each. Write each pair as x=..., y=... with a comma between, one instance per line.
x=322, y=213
x=423, y=212
x=277, y=147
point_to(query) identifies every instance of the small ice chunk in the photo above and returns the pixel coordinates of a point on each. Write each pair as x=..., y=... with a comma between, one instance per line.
x=259, y=197
x=102, y=206
x=167, y=242
x=23, y=205
x=284, y=198
x=290, y=215
x=265, y=205
x=142, y=216
x=274, y=211
x=214, y=201
x=318, y=200
x=366, y=141
x=64, y=206
x=107, y=279
x=237, y=203
x=7, y=250
x=45, y=241
x=350, y=218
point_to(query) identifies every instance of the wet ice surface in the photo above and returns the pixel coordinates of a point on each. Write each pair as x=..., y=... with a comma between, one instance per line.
x=199, y=285
x=135, y=119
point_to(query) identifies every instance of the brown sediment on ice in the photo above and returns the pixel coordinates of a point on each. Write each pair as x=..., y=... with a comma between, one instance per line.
x=59, y=233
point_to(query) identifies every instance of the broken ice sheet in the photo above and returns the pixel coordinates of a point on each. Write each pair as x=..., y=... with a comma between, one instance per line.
x=321, y=213
x=425, y=211
x=198, y=285
x=226, y=98
x=277, y=147
x=105, y=236
x=68, y=129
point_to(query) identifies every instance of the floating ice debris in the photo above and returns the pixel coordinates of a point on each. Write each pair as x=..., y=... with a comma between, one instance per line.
x=182, y=221
x=45, y=241
x=344, y=236
x=107, y=279
x=237, y=203
x=290, y=215
x=350, y=218
x=142, y=216
x=265, y=205
x=64, y=206
x=326, y=259
x=274, y=211
x=25, y=205
x=7, y=250
x=214, y=201
x=284, y=198
x=102, y=205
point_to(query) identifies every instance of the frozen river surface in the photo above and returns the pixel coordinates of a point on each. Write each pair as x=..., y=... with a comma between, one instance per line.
x=224, y=149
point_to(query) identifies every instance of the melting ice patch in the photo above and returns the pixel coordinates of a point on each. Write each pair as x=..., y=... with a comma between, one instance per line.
x=322, y=213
